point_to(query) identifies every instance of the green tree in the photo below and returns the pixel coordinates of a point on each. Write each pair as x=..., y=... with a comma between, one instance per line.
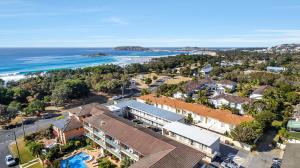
x=105, y=163
x=265, y=119
x=246, y=132
x=20, y=94
x=189, y=119
x=148, y=81
x=145, y=92
x=34, y=107
x=126, y=162
x=60, y=94
x=36, y=148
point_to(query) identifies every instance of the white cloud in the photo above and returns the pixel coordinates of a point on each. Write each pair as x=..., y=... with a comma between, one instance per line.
x=117, y=20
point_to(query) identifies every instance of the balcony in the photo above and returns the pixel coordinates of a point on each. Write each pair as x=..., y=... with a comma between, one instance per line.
x=114, y=152
x=131, y=155
x=112, y=143
x=99, y=135
x=88, y=128
x=101, y=143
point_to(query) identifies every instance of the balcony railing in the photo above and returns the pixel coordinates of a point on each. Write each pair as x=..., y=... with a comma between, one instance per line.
x=113, y=143
x=114, y=152
x=131, y=155
x=101, y=143
x=88, y=128
x=98, y=134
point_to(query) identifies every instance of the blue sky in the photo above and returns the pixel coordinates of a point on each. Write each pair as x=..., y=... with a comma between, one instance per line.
x=152, y=23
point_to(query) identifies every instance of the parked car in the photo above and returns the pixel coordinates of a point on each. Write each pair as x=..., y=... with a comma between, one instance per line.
x=275, y=165
x=9, y=160
x=276, y=160
x=117, y=97
x=229, y=163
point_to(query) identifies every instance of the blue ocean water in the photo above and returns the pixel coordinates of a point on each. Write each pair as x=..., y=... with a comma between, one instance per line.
x=14, y=61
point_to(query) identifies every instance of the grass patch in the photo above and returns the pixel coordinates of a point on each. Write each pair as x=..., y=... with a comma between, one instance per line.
x=25, y=154
x=294, y=135
x=60, y=117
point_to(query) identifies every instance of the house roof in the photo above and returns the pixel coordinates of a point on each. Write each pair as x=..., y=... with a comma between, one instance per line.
x=67, y=124
x=291, y=156
x=195, y=84
x=232, y=98
x=224, y=116
x=194, y=133
x=158, y=151
x=154, y=111
x=226, y=82
x=293, y=124
x=261, y=89
x=88, y=109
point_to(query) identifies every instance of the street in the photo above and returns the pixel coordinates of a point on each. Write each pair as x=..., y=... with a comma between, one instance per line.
x=7, y=137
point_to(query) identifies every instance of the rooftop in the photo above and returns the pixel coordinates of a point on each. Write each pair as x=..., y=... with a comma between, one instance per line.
x=68, y=124
x=194, y=133
x=224, y=116
x=232, y=98
x=293, y=124
x=158, y=151
x=146, y=108
x=261, y=89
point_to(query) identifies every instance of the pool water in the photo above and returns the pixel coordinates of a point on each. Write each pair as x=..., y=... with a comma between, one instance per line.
x=76, y=161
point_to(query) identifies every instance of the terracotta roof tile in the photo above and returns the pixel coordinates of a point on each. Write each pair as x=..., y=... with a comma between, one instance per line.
x=222, y=115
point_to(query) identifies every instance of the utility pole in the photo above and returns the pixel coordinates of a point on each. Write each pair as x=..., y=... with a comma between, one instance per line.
x=22, y=124
x=17, y=147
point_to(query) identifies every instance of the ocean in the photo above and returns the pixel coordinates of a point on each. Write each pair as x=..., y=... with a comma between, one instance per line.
x=15, y=63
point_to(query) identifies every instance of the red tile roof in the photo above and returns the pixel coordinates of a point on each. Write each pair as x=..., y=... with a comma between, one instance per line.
x=224, y=116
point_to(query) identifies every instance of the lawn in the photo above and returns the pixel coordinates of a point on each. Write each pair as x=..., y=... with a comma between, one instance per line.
x=294, y=135
x=25, y=154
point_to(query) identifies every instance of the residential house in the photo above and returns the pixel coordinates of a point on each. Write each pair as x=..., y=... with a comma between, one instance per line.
x=275, y=69
x=200, y=139
x=235, y=102
x=148, y=114
x=206, y=69
x=67, y=129
x=258, y=93
x=192, y=87
x=216, y=120
x=224, y=85
x=147, y=149
x=71, y=126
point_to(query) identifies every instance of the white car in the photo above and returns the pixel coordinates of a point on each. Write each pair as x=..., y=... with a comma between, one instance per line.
x=9, y=160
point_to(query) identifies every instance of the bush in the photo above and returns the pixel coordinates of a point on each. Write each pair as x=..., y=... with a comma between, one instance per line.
x=277, y=124
x=77, y=144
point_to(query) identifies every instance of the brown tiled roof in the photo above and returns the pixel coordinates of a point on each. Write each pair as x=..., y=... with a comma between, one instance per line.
x=158, y=151
x=194, y=84
x=261, y=89
x=88, y=109
x=232, y=98
x=72, y=123
x=224, y=116
x=136, y=139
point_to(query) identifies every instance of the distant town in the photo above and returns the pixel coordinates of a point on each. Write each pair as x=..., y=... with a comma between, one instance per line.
x=231, y=108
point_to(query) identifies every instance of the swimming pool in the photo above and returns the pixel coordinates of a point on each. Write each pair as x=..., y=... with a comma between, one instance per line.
x=76, y=161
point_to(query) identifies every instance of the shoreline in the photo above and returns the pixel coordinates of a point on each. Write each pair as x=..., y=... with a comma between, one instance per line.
x=123, y=61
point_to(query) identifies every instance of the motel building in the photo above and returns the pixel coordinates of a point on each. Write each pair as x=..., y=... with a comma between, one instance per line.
x=146, y=148
x=146, y=113
x=216, y=120
x=195, y=137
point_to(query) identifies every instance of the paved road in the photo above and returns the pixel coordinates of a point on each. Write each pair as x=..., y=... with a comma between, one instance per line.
x=6, y=136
